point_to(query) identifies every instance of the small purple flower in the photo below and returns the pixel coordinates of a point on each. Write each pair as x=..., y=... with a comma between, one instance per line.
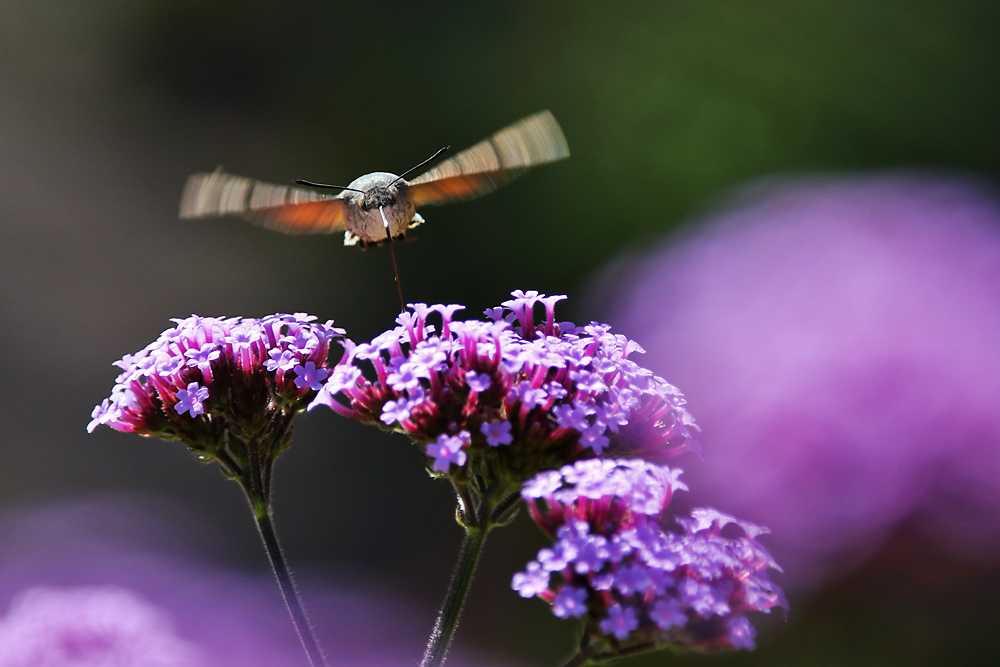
x=497, y=433
x=396, y=411
x=620, y=622
x=533, y=581
x=407, y=377
x=574, y=416
x=478, y=382
x=533, y=398
x=310, y=376
x=569, y=601
x=669, y=613
x=591, y=554
x=242, y=339
x=284, y=360
x=343, y=377
x=632, y=579
x=448, y=450
x=542, y=485
x=741, y=633
x=172, y=365
x=559, y=556
x=588, y=381
x=191, y=400
x=302, y=342
x=203, y=356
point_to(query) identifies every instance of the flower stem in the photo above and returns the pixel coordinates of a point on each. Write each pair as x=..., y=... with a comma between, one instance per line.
x=578, y=660
x=447, y=620
x=585, y=657
x=257, y=489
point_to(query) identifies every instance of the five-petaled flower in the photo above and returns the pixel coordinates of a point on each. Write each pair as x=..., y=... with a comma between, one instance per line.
x=191, y=400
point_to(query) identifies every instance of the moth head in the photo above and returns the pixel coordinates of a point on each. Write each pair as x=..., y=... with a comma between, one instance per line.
x=373, y=190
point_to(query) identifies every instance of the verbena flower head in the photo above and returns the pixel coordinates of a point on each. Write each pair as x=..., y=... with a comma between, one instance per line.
x=90, y=626
x=633, y=581
x=517, y=394
x=212, y=382
x=838, y=340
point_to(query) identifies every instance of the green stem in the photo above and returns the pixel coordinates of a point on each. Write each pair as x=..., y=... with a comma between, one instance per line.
x=257, y=487
x=583, y=654
x=585, y=657
x=578, y=660
x=447, y=620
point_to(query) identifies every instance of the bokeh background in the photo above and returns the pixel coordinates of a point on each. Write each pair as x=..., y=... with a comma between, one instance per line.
x=107, y=106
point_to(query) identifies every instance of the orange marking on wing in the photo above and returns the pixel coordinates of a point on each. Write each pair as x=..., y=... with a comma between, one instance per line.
x=320, y=217
x=287, y=209
x=457, y=187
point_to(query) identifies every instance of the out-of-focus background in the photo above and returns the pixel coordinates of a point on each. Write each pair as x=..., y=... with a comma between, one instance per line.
x=668, y=107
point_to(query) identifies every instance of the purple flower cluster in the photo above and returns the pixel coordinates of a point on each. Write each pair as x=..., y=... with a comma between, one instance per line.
x=838, y=340
x=532, y=396
x=209, y=379
x=90, y=626
x=633, y=580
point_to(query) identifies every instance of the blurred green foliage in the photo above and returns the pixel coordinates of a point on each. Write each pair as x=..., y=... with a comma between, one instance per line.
x=666, y=104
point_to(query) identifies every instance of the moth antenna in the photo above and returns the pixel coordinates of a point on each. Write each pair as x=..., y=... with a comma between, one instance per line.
x=310, y=184
x=392, y=254
x=413, y=169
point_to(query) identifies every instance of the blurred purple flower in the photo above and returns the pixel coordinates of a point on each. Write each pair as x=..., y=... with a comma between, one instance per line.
x=118, y=581
x=88, y=627
x=840, y=342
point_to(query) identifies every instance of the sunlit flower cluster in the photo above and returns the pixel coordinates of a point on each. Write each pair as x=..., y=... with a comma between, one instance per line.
x=632, y=579
x=528, y=395
x=208, y=379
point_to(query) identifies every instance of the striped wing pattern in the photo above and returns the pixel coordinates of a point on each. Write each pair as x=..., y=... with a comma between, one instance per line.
x=280, y=207
x=492, y=162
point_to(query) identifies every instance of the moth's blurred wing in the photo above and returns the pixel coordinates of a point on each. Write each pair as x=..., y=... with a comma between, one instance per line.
x=280, y=207
x=492, y=162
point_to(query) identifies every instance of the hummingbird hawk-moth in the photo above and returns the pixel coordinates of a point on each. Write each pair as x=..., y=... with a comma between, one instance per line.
x=379, y=206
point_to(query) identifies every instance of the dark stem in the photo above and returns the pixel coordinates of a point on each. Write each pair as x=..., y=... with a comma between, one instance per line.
x=637, y=649
x=257, y=487
x=583, y=654
x=447, y=620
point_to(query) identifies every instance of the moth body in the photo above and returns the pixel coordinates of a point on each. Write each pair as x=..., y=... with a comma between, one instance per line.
x=362, y=218
x=477, y=170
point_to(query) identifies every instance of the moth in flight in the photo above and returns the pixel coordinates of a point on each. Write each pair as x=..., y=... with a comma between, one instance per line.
x=379, y=206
